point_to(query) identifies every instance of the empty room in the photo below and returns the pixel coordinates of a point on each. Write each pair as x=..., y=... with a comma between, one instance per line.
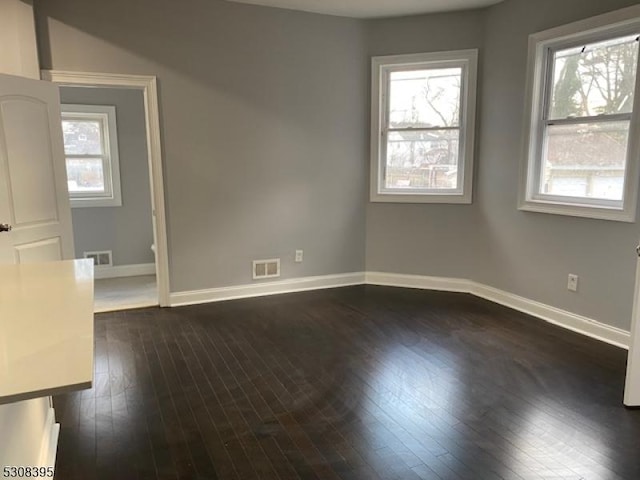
x=303, y=239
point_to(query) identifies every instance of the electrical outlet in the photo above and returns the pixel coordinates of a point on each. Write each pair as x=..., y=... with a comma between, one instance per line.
x=572, y=283
x=299, y=254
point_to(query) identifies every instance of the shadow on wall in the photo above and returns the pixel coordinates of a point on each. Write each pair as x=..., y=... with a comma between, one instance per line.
x=243, y=51
x=262, y=116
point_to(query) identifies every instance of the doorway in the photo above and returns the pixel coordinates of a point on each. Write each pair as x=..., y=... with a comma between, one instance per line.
x=112, y=150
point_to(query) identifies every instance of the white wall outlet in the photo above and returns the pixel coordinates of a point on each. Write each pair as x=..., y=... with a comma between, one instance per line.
x=299, y=254
x=572, y=283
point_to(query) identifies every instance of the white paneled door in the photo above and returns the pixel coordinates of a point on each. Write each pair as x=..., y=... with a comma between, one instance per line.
x=35, y=217
x=632, y=385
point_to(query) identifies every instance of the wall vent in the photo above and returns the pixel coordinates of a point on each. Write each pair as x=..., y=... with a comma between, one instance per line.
x=266, y=268
x=100, y=259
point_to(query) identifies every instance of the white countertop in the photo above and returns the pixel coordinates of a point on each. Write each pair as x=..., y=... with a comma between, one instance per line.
x=46, y=329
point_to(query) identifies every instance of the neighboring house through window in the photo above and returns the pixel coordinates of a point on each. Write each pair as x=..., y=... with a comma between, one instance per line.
x=582, y=146
x=423, y=112
x=91, y=151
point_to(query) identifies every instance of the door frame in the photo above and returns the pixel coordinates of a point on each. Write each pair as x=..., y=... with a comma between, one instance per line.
x=147, y=84
x=632, y=383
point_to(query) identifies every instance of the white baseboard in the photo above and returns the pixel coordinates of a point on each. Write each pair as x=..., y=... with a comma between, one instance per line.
x=117, y=271
x=267, y=288
x=49, y=447
x=571, y=321
x=441, y=284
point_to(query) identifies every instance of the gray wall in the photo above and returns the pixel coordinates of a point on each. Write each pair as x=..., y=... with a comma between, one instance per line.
x=423, y=239
x=265, y=131
x=525, y=253
x=262, y=122
x=126, y=230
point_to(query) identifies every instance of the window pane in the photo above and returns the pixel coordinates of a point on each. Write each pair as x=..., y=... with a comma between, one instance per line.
x=82, y=137
x=422, y=160
x=85, y=175
x=425, y=98
x=595, y=79
x=585, y=160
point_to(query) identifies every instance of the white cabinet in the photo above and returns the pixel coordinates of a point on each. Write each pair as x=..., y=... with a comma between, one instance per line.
x=46, y=347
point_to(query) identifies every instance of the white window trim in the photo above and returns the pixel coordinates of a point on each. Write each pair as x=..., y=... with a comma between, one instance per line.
x=615, y=23
x=468, y=60
x=111, y=165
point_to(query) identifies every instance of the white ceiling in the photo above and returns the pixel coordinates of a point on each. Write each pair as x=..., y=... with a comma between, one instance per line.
x=372, y=8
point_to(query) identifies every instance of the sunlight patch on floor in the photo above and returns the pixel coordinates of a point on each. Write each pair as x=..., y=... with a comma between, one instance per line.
x=125, y=293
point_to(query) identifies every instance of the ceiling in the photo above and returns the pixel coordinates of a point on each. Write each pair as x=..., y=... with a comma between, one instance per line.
x=372, y=8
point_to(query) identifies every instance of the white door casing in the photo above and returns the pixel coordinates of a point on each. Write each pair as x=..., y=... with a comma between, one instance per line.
x=148, y=86
x=33, y=179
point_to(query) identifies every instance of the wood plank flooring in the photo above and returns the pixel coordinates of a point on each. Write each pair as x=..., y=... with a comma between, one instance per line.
x=371, y=383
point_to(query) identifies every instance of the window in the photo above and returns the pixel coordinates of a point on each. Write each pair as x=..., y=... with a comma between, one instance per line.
x=423, y=109
x=91, y=151
x=581, y=149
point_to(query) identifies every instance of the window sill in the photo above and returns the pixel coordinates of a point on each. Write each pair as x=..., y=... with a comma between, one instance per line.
x=597, y=213
x=95, y=202
x=420, y=198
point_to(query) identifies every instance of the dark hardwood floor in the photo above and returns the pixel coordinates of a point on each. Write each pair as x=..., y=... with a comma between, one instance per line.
x=363, y=382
